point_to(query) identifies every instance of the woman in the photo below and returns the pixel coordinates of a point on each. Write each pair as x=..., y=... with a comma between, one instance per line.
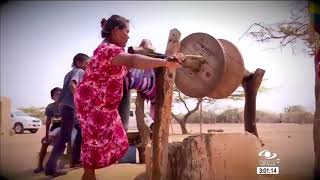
x=98, y=96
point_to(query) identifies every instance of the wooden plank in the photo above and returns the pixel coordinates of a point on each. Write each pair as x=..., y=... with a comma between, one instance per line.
x=148, y=158
x=144, y=130
x=164, y=79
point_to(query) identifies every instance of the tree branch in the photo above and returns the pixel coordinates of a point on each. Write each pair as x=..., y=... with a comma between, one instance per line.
x=176, y=118
x=186, y=116
x=182, y=100
x=296, y=29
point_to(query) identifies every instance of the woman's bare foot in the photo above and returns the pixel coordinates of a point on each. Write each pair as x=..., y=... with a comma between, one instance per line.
x=88, y=174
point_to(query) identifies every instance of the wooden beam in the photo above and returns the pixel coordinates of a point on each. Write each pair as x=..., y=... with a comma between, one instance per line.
x=144, y=130
x=164, y=79
x=246, y=74
x=251, y=85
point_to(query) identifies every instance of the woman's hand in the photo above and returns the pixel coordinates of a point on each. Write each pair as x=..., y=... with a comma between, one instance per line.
x=175, y=60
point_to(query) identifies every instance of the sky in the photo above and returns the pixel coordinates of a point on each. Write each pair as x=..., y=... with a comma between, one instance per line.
x=39, y=40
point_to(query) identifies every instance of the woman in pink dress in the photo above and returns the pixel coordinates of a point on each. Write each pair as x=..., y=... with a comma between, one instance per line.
x=98, y=96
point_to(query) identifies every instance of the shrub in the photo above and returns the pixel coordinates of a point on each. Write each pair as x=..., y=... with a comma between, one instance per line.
x=207, y=117
x=294, y=108
x=291, y=114
x=296, y=114
x=297, y=117
x=230, y=116
x=267, y=117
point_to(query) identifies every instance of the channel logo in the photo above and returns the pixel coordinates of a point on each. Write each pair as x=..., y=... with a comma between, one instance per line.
x=267, y=154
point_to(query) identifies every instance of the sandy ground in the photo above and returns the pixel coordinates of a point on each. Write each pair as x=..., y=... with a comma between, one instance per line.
x=292, y=142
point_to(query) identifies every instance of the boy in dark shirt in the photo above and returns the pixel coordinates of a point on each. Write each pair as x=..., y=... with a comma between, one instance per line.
x=53, y=117
x=69, y=120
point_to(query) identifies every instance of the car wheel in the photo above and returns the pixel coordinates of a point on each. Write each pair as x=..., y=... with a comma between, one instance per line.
x=33, y=130
x=18, y=128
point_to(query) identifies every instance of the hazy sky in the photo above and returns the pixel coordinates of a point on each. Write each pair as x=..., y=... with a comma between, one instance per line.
x=39, y=40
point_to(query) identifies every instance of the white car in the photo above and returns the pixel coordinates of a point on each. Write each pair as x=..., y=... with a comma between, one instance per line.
x=133, y=123
x=21, y=121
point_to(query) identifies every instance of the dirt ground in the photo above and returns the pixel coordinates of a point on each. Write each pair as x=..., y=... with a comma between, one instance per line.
x=293, y=144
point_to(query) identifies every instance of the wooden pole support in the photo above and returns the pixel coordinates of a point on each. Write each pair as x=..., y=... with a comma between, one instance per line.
x=251, y=84
x=246, y=74
x=144, y=130
x=164, y=79
x=5, y=118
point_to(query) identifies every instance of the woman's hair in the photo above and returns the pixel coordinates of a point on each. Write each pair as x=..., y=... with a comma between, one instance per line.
x=54, y=90
x=110, y=24
x=79, y=57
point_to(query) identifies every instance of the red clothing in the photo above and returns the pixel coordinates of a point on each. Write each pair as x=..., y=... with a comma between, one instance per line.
x=97, y=99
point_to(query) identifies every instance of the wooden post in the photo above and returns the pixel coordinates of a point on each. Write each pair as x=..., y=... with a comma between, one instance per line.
x=5, y=118
x=251, y=84
x=314, y=22
x=201, y=118
x=164, y=79
x=316, y=121
x=217, y=156
x=144, y=130
x=5, y=112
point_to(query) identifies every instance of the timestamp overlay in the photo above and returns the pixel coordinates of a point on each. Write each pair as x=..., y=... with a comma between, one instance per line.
x=268, y=163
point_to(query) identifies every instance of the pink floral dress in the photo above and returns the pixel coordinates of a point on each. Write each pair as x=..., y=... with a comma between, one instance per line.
x=97, y=98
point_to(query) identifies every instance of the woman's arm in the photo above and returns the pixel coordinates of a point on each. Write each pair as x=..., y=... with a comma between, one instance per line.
x=141, y=62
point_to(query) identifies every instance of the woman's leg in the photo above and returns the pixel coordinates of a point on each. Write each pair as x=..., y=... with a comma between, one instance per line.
x=88, y=174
